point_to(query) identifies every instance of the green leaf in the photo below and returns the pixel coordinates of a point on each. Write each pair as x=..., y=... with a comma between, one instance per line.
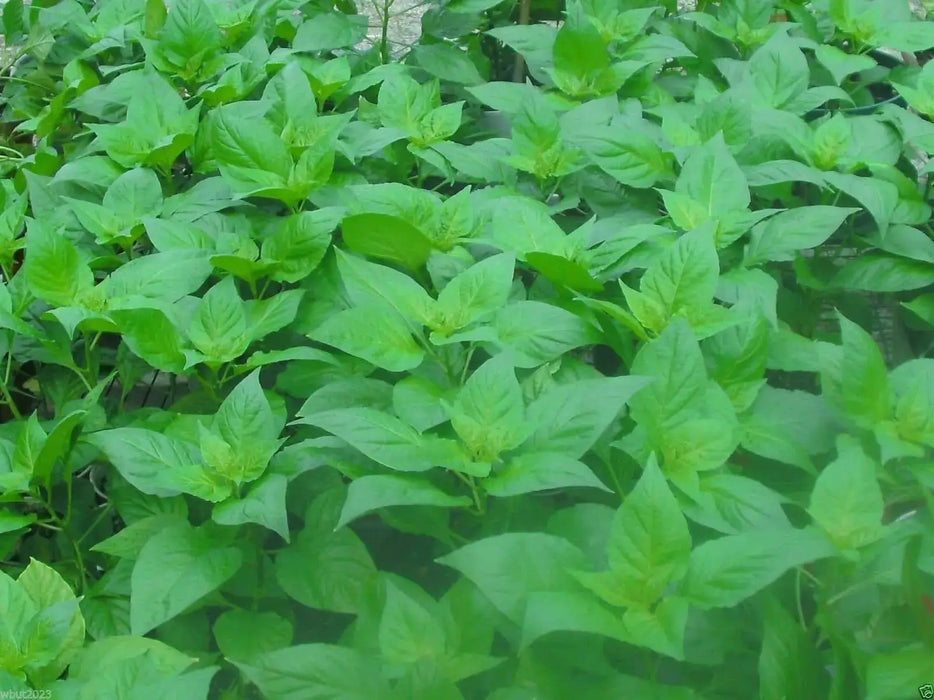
x=369, y=333
x=252, y=159
x=326, y=570
x=509, y=568
x=489, y=414
x=842, y=64
x=632, y=159
x=793, y=230
x=297, y=245
x=662, y=630
x=788, y=661
x=189, y=34
x=560, y=270
x=887, y=675
x=267, y=316
x=316, y=671
x=568, y=611
x=419, y=402
x=681, y=283
x=477, y=291
x=711, y=177
x=54, y=270
x=367, y=283
x=245, y=635
x=675, y=359
x=380, y=436
x=847, y=501
x=913, y=384
x=219, y=328
x=56, y=634
x=540, y=471
x=57, y=445
x=330, y=30
x=175, y=569
x=388, y=238
x=855, y=380
x=376, y=491
x=649, y=543
x=779, y=71
x=788, y=426
x=447, y=62
x=408, y=632
x=134, y=195
x=533, y=332
x=151, y=336
x=246, y=422
x=167, y=276
x=127, y=543
x=883, y=273
x=264, y=504
x=568, y=421
x=150, y=461
x=726, y=571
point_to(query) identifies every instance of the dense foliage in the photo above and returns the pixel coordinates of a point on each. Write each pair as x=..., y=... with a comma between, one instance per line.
x=327, y=376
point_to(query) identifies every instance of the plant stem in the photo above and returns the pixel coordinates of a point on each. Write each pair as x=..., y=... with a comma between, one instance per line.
x=384, y=32
x=518, y=68
x=4, y=388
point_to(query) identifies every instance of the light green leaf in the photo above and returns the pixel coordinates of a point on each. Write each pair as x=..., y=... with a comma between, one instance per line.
x=568, y=611
x=175, y=569
x=681, y=283
x=856, y=381
x=376, y=491
x=540, y=471
x=219, y=328
x=369, y=333
x=711, y=177
x=408, y=632
x=326, y=570
x=147, y=459
x=263, y=504
x=631, y=158
x=726, y=571
x=509, y=568
x=330, y=30
x=796, y=229
x=479, y=290
x=847, y=501
x=488, y=414
x=54, y=270
x=386, y=237
x=316, y=671
x=151, y=336
x=887, y=675
x=298, y=244
x=367, y=283
x=533, y=332
x=380, y=436
x=245, y=635
x=568, y=421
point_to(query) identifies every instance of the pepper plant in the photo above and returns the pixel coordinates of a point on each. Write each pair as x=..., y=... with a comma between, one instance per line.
x=327, y=376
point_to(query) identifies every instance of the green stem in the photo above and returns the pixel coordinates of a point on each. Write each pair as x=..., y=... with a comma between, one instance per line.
x=467, y=363
x=105, y=511
x=384, y=32
x=471, y=484
x=4, y=388
x=798, y=600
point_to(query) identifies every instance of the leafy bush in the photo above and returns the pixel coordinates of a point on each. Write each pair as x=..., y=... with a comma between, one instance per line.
x=324, y=377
